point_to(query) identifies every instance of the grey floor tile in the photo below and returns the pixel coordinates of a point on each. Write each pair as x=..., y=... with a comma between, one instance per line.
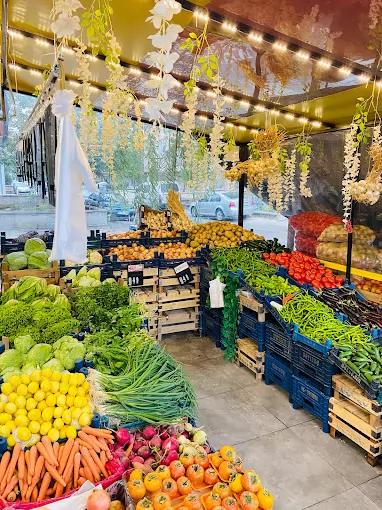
x=207, y=346
x=341, y=453
x=208, y=378
x=373, y=490
x=297, y=476
x=184, y=349
x=240, y=375
x=349, y=500
x=234, y=417
x=277, y=402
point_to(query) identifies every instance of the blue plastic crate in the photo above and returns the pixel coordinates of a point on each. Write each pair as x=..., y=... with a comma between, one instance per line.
x=213, y=313
x=318, y=367
x=278, y=341
x=278, y=371
x=323, y=348
x=312, y=399
x=249, y=327
x=288, y=328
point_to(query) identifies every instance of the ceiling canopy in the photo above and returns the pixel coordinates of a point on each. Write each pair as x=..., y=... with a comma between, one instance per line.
x=302, y=60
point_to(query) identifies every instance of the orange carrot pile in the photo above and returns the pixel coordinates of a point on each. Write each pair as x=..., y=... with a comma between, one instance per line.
x=49, y=470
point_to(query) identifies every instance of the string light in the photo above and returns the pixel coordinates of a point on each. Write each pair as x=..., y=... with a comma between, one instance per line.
x=68, y=51
x=203, y=117
x=278, y=45
x=260, y=108
x=211, y=93
x=245, y=104
x=228, y=99
x=364, y=77
x=35, y=72
x=201, y=15
x=135, y=70
x=275, y=112
x=303, y=55
x=229, y=124
x=93, y=88
x=15, y=67
x=142, y=102
x=316, y=123
x=41, y=42
x=75, y=83
x=344, y=70
x=230, y=27
x=152, y=76
x=242, y=128
x=254, y=131
x=174, y=110
x=92, y=58
x=379, y=84
x=289, y=116
x=324, y=62
x=15, y=34
x=303, y=120
x=255, y=37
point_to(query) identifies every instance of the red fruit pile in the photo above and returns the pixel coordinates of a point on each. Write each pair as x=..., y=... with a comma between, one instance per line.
x=305, y=269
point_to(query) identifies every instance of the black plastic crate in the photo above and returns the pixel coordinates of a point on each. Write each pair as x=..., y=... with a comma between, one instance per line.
x=214, y=313
x=156, y=241
x=94, y=240
x=140, y=239
x=250, y=327
x=12, y=245
x=278, y=371
x=278, y=341
x=318, y=367
x=210, y=327
x=122, y=266
x=106, y=269
x=167, y=263
x=305, y=395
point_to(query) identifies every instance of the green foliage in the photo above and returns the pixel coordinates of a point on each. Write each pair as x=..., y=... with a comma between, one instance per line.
x=304, y=148
x=96, y=20
x=201, y=138
x=283, y=158
x=361, y=118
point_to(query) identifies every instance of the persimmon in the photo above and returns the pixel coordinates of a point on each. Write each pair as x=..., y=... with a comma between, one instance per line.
x=212, y=500
x=223, y=489
x=249, y=501
x=251, y=481
x=186, y=459
x=216, y=459
x=195, y=473
x=228, y=453
x=192, y=502
x=210, y=476
x=184, y=486
x=226, y=469
x=137, y=489
x=170, y=487
x=230, y=503
x=265, y=499
x=161, y=501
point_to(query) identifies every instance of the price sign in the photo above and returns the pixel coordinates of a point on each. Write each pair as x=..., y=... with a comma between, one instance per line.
x=135, y=275
x=183, y=272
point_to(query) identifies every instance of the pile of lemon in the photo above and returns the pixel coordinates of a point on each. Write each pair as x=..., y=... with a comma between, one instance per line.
x=44, y=403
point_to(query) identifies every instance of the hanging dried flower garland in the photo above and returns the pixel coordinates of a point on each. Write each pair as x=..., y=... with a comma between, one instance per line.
x=304, y=149
x=368, y=191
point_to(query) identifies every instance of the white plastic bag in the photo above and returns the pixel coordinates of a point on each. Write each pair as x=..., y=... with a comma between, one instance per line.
x=217, y=293
x=77, y=500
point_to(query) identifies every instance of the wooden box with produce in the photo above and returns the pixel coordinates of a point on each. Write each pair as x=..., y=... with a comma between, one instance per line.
x=370, y=289
x=249, y=356
x=356, y=416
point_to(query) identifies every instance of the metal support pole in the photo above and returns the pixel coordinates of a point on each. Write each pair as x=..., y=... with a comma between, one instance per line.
x=4, y=52
x=243, y=156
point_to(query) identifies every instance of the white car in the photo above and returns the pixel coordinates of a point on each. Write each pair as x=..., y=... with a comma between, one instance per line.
x=21, y=188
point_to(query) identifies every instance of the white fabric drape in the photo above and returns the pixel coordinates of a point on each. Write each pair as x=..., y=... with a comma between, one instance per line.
x=72, y=171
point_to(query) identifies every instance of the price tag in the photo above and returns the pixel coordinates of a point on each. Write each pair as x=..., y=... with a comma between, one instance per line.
x=135, y=275
x=183, y=272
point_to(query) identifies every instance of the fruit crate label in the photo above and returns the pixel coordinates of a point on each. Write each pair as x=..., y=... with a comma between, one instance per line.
x=135, y=275
x=183, y=272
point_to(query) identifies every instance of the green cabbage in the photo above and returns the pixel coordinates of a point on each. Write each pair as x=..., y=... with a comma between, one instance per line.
x=86, y=281
x=24, y=343
x=62, y=301
x=11, y=302
x=71, y=275
x=16, y=261
x=67, y=350
x=95, y=283
x=54, y=365
x=39, y=354
x=28, y=368
x=10, y=360
x=95, y=272
x=39, y=260
x=33, y=245
x=82, y=272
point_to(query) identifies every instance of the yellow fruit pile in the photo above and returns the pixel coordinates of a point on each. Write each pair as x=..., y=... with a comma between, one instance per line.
x=44, y=403
x=219, y=234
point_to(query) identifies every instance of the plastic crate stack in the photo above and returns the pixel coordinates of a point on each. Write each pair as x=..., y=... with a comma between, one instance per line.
x=210, y=318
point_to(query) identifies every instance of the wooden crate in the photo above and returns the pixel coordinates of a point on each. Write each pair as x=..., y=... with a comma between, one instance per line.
x=168, y=278
x=147, y=297
x=178, y=297
x=176, y=321
x=371, y=296
x=150, y=277
x=249, y=356
x=357, y=417
x=51, y=275
x=252, y=304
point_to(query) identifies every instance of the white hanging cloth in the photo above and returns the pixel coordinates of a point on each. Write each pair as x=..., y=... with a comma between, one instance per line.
x=72, y=170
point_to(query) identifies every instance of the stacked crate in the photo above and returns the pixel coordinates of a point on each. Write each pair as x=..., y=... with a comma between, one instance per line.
x=9, y=278
x=356, y=416
x=248, y=354
x=210, y=318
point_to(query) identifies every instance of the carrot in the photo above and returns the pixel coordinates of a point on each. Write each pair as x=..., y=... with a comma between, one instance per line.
x=13, y=461
x=9, y=488
x=62, y=446
x=33, y=459
x=81, y=481
x=44, y=487
x=53, y=471
x=69, y=465
x=65, y=455
x=49, y=448
x=81, y=471
x=97, y=432
x=21, y=466
x=42, y=450
x=22, y=484
x=97, y=461
x=108, y=453
x=88, y=474
x=50, y=492
x=59, y=491
x=36, y=476
x=68, y=487
x=129, y=449
x=90, y=440
x=4, y=465
x=12, y=496
x=103, y=458
x=90, y=463
x=56, y=448
x=34, y=495
x=76, y=467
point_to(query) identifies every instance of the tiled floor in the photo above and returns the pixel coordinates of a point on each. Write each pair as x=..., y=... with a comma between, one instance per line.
x=303, y=467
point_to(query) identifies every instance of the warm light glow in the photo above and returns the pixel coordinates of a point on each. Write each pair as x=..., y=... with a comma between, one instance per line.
x=302, y=55
x=316, y=123
x=254, y=131
x=197, y=89
x=142, y=102
x=69, y=51
x=379, y=84
x=41, y=42
x=345, y=70
x=15, y=34
x=289, y=115
x=364, y=77
x=229, y=124
x=174, y=110
x=275, y=112
x=242, y=128
x=92, y=58
x=154, y=76
x=245, y=104
x=203, y=117
x=260, y=108
x=15, y=67
x=303, y=120
x=278, y=45
x=35, y=72
x=325, y=63
x=201, y=15
x=74, y=83
x=93, y=88
x=255, y=37
x=211, y=93
x=228, y=99
x=135, y=70
x=230, y=27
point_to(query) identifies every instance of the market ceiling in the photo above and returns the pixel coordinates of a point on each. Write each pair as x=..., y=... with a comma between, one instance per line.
x=308, y=59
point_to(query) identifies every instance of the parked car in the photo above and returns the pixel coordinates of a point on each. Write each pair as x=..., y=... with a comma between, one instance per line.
x=21, y=188
x=115, y=205
x=222, y=205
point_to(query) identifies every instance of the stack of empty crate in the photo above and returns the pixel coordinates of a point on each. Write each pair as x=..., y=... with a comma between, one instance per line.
x=210, y=318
